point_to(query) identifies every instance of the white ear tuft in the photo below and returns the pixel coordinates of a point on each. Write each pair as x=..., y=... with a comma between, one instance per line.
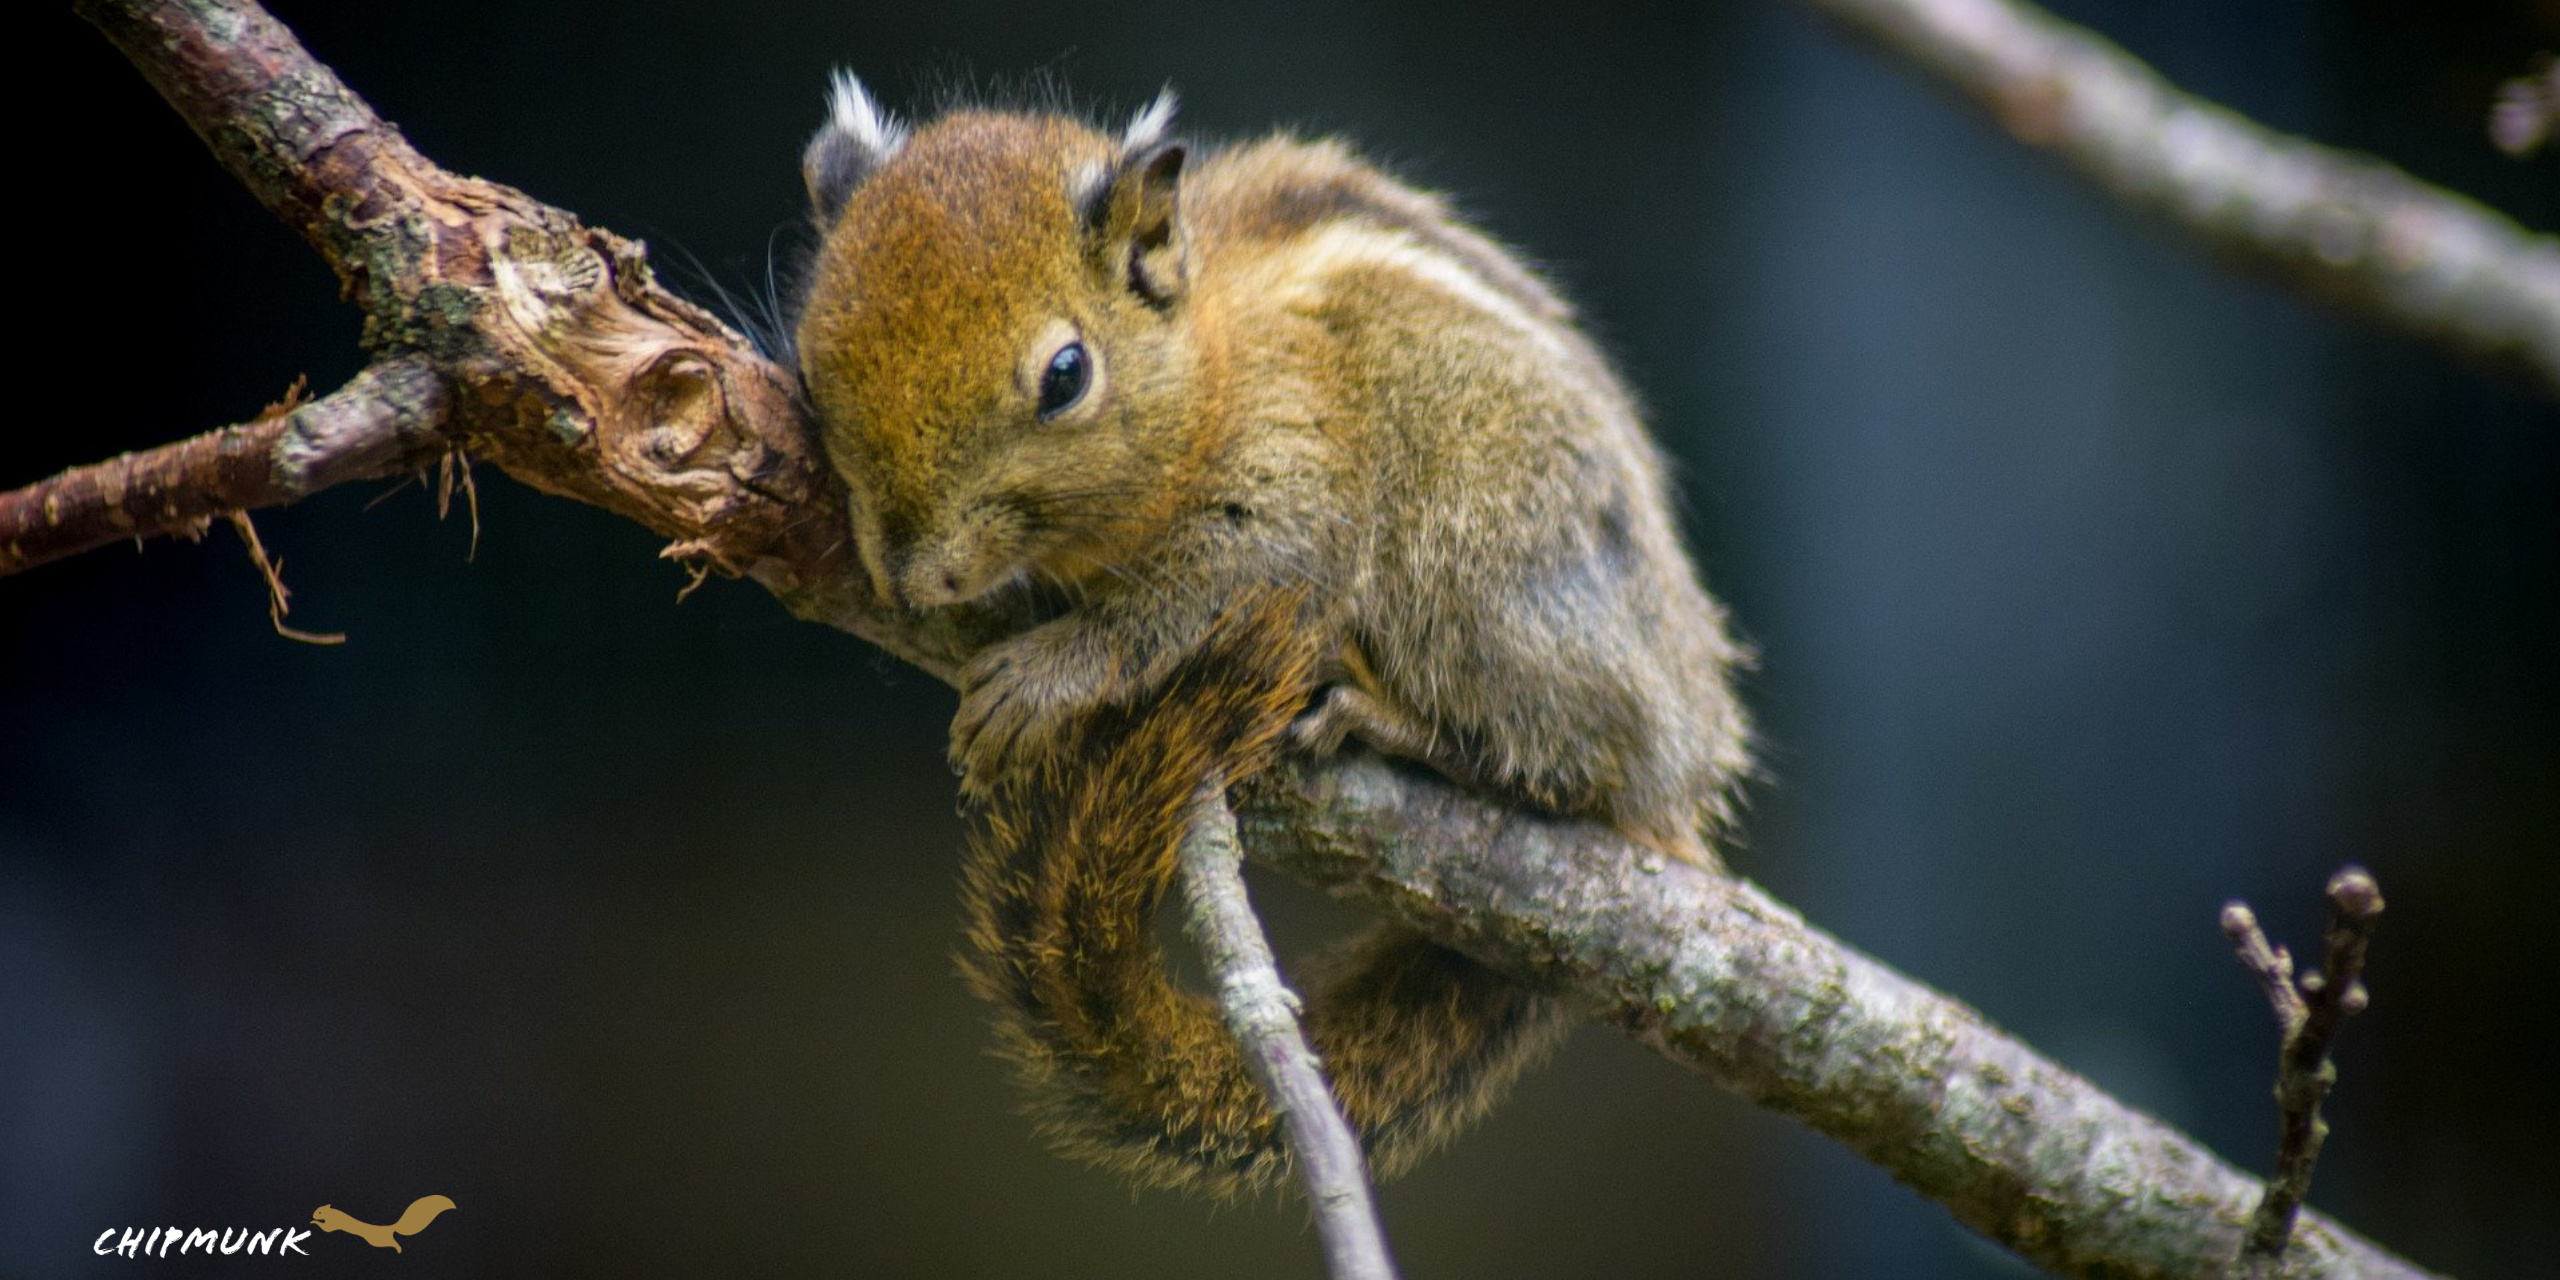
x=1148, y=127
x=856, y=140
x=851, y=109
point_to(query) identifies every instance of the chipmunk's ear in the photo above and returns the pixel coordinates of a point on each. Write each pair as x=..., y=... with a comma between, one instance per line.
x=856, y=140
x=1136, y=216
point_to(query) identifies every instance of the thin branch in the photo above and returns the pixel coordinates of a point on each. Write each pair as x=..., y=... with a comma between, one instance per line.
x=569, y=369
x=374, y=426
x=1715, y=974
x=1262, y=1014
x=2422, y=259
x=2309, y=1019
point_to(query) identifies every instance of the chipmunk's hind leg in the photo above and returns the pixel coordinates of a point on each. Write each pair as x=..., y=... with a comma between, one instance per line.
x=1419, y=1041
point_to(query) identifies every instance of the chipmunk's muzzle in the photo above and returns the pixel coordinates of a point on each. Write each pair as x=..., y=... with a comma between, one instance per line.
x=972, y=557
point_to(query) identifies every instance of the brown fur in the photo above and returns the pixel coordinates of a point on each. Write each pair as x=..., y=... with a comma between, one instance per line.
x=1311, y=376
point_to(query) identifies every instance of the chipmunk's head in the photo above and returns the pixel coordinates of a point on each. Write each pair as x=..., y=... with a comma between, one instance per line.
x=996, y=342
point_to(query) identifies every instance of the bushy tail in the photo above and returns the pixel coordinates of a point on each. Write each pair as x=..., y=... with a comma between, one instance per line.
x=421, y=1211
x=1131, y=1072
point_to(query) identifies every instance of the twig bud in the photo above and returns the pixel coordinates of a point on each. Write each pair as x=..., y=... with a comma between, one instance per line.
x=2354, y=894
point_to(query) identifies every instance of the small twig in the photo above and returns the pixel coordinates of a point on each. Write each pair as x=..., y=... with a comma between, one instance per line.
x=454, y=471
x=695, y=575
x=1263, y=1015
x=2271, y=965
x=295, y=396
x=2309, y=1012
x=279, y=597
x=416, y=478
x=697, y=557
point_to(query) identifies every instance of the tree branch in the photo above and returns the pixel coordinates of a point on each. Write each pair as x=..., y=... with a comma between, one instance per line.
x=567, y=365
x=570, y=369
x=1715, y=974
x=381, y=423
x=1262, y=1014
x=2416, y=257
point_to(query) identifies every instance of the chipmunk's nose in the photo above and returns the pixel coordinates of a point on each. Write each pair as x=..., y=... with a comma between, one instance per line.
x=933, y=576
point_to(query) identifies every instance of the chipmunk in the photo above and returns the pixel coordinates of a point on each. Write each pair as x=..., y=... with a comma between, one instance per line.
x=413, y=1220
x=1265, y=450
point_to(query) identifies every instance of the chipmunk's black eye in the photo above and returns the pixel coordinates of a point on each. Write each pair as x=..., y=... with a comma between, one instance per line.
x=1063, y=383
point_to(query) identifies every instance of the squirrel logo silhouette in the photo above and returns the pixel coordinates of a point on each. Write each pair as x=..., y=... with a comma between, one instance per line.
x=413, y=1221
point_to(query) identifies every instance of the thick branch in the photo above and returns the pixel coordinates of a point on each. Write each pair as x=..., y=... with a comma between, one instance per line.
x=2422, y=259
x=381, y=423
x=1262, y=1014
x=1715, y=974
x=568, y=366
x=571, y=370
x=283, y=124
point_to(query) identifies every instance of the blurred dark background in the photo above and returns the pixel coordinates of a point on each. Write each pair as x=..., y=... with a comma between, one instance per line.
x=2096, y=584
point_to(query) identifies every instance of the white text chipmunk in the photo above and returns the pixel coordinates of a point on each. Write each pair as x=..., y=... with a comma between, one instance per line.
x=1269, y=449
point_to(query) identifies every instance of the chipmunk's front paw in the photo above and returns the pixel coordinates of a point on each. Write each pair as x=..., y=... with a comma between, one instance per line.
x=1018, y=701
